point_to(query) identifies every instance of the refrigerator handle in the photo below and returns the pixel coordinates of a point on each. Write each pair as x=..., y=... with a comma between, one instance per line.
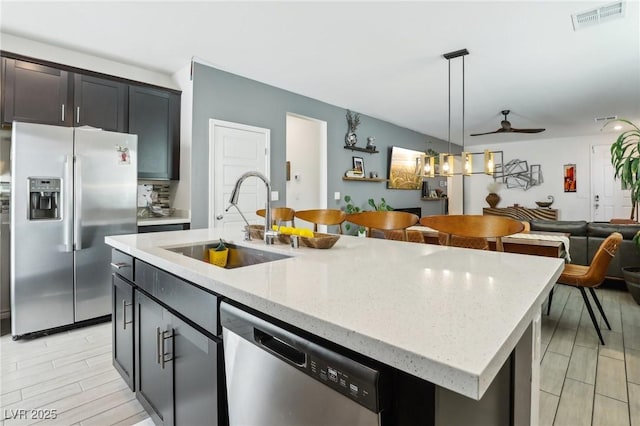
x=77, y=216
x=67, y=197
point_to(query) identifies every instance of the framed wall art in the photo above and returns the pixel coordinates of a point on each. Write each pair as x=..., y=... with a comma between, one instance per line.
x=569, y=178
x=358, y=165
x=402, y=169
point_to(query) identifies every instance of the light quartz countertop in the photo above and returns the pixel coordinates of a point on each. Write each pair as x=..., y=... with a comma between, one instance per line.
x=179, y=217
x=170, y=220
x=448, y=315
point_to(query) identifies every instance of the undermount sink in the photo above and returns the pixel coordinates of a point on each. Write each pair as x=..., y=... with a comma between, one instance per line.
x=237, y=257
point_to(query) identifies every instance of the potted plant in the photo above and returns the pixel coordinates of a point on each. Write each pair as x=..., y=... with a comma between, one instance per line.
x=625, y=158
x=351, y=208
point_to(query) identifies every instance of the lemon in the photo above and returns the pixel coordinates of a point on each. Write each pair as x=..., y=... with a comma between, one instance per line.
x=285, y=230
x=308, y=233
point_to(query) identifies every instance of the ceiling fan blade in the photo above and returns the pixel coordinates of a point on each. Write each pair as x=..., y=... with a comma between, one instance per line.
x=527, y=130
x=488, y=133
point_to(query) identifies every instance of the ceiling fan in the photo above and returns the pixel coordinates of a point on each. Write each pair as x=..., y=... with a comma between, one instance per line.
x=506, y=127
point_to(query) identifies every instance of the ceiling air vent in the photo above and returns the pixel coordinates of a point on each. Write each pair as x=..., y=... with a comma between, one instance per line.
x=598, y=15
x=601, y=119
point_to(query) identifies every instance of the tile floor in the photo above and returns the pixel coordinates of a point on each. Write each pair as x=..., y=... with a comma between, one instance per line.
x=582, y=382
x=68, y=372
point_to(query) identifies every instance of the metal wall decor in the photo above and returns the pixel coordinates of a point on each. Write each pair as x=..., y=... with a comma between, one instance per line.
x=353, y=121
x=517, y=173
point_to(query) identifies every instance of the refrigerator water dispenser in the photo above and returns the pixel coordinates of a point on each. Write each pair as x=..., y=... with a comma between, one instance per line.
x=44, y=198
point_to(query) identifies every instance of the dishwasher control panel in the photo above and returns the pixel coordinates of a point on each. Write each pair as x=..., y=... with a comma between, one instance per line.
x=360, y=389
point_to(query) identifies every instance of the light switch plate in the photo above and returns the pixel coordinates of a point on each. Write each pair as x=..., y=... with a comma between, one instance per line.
x=275, y=195
x=336, y=196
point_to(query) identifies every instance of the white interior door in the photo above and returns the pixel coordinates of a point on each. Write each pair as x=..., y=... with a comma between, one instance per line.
x=233, y=150
x=608, y=199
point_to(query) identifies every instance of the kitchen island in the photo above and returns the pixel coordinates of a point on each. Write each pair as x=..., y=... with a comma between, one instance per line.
x=448, y=316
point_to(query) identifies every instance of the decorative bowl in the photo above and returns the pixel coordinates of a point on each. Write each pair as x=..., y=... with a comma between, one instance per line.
x=320, y=241
x=544, y=203
x=256, y=231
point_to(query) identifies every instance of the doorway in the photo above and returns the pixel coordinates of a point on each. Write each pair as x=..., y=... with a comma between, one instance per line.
x=233, y=150
x=608, y=199
x=306, y=156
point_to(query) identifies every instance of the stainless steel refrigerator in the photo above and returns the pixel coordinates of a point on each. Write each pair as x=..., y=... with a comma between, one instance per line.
x=69, y=188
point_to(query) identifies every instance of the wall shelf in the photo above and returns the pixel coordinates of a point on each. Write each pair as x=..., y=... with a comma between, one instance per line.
x=355, y=148
x=364, y=179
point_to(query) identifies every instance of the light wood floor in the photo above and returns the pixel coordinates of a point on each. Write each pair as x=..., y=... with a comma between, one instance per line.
x=68, y=372
x=582, y=382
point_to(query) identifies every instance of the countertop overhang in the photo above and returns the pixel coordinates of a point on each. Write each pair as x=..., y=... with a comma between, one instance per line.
x=448, y=315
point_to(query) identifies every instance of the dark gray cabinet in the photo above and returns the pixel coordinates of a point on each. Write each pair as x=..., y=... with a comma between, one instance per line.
x=35, y=93
x=197, y=369
x=123, y=315
x=122, y=323
x=154, y=115
x=177, y=367
x=55, y=94
x=154, y=364
x=178, y=361
x=101, y=103
x=162, y=228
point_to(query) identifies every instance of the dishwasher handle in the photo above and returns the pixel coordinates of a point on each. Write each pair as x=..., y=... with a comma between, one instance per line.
x=280, y=348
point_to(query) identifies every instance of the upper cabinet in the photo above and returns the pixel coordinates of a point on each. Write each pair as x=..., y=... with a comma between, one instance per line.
x=154, y=115
x=35, y=93
x=46, y=93
x=99, y=102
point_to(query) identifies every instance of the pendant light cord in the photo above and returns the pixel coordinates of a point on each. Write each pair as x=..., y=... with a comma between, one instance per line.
x=449, y=134
x=463, y=103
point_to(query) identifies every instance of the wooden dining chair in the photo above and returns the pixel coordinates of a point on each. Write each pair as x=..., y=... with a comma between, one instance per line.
x=279, y=215
x=591, y=277
x=472, y=231
x=384, y=221
x=322, y=217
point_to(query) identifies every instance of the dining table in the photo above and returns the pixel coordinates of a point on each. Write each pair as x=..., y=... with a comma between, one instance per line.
x=538, y=243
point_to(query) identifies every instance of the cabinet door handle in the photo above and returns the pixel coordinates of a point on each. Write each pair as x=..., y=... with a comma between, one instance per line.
x=158, y=344
x=165, y=335
x=120, y=265
x=124, y=314
x=62, y=117
x=78, y=115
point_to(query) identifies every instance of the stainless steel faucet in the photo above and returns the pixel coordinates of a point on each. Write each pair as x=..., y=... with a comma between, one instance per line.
x=269, y=234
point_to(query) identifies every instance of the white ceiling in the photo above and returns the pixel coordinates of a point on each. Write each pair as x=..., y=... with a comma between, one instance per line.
x=382, y=59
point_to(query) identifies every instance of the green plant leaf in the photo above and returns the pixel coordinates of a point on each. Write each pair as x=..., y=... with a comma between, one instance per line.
x=625, y=159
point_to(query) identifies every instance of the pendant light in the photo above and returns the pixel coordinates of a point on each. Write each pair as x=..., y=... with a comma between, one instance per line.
x=425, y=166
x=489, y=162
x=446, y=160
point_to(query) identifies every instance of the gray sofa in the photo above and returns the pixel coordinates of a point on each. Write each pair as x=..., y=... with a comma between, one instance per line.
x=586, y=237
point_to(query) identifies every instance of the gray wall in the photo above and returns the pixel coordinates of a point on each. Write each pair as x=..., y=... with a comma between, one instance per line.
x=224, y=96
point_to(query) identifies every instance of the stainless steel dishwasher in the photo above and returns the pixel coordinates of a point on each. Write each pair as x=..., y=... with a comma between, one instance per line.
x=277, y=378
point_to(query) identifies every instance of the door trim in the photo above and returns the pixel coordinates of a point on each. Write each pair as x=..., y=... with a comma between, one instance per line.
x=213, y=124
